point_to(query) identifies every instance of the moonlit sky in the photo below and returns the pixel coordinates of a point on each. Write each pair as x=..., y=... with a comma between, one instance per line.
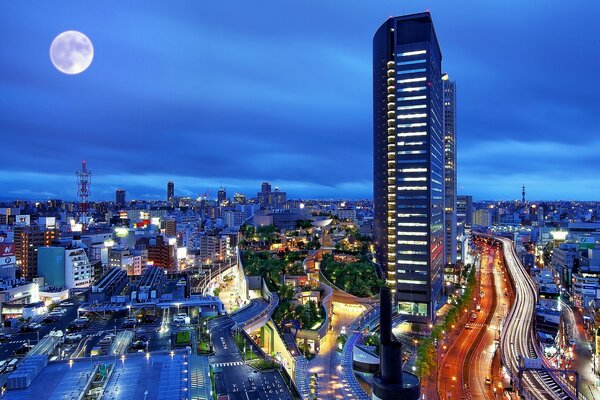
x=233, y=93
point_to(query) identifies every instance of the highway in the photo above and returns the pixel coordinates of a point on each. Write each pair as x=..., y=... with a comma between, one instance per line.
x=518, y=337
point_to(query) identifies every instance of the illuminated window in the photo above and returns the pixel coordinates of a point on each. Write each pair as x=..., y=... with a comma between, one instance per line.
x=411, y=80
x=411, y=71
x=411, y=98
x=413, y=125
x=400, y=188
x=413, y=242
x=419, y=61
x=412, y=134
x=412, y=89
x=412, y=53
x=413, y=152
x=407, y=116
x=416, y=106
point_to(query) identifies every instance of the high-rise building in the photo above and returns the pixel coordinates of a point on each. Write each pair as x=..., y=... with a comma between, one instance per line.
x=28, y=239
x=170, y=192
x=265, y=187
x=120, y=198
x=450, y=229
x=409, y=162
x=464, y=210
x=482, y=217
x=221, y=196
x=268, y=199
x=170, y=227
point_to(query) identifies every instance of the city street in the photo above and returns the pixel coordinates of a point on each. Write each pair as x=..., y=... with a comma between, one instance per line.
x=232, y=376
x=583, y=356
x=325, y=364
x=458, y=371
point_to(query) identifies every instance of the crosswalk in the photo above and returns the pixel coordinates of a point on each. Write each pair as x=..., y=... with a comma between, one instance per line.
x=228, y=364
x=18, y=341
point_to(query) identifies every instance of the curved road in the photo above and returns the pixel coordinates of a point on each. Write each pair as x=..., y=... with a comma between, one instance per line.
x=518, y=337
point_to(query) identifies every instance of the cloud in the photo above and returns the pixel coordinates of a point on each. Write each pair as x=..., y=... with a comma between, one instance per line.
x=210, y=95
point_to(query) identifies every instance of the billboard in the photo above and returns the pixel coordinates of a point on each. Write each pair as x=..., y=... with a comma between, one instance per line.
x=7, y=260
x=7, y=249
x=587, y=242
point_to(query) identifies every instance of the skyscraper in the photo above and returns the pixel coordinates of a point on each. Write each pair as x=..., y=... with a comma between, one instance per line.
x=221, y=196
x=170, y=192
x=409, y=162
x=449, y=169
x=120, y=198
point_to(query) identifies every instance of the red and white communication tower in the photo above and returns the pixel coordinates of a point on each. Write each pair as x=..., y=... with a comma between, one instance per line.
x=84, y=180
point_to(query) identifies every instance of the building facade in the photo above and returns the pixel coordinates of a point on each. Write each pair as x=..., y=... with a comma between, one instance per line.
x=120, y=198
x=450, y=226
x=28, y=239
x=170, y=192
x=409, y=162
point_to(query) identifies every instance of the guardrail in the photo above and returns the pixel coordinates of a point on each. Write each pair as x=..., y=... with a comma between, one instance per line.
x=267, y=312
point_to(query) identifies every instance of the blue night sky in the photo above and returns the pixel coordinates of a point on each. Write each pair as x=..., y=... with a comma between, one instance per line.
x=234, y=93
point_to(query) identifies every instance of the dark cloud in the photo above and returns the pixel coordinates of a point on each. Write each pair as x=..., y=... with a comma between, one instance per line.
x=233, y=95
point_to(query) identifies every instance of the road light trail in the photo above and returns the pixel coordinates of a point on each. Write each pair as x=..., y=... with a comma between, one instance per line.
x=518, y=336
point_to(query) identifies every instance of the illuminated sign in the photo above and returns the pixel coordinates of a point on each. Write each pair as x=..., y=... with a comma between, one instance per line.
x=559, y=235
x=7, y=260
x=7, y=249
x=121, y=232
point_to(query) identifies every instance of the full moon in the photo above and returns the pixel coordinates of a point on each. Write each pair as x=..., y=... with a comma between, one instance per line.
x=71, y=52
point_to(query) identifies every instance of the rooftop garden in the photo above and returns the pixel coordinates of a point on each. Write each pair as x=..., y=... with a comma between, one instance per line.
x=308, y=316
x=358, y=278
x=273, y=265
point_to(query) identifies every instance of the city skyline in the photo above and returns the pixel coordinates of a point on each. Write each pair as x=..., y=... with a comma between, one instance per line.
x=106, y=114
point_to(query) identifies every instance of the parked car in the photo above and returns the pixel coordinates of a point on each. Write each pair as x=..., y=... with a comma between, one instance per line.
x=26, y=328
x=56, y=333
x=67, y=304
x=74, y=336
x=129, y=323
x=149, y=318
x=50, y=320
x=23, y=349
x=12, y=365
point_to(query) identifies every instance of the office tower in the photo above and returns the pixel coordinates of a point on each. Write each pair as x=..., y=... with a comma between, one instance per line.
x=409, y=162
x=120, y=198
x=391, y=382
x=450, y=228
x=268, y=199
x=482, y=217
x=28, y=239
x=265, y=187
x=221, y=196
x=170, y=227
x=170, y=192
x=464, y=210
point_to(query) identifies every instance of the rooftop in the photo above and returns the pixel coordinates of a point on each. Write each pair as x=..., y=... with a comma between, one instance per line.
x=161, y=376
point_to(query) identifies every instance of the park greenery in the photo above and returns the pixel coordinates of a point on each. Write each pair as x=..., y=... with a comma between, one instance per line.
x=426, y=352
x=272, y=266
x=307, y=315
x=354, y=243
x=357, y=278
x=265, y=235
